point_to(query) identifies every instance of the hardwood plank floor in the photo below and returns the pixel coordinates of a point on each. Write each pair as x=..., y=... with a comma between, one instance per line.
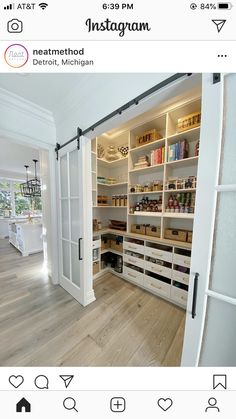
x=42, y=325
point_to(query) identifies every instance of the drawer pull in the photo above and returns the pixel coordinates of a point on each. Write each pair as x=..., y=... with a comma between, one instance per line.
x=157, y=269
x=132, y=276
x=157, y=254
x=155, y=286
x=186, y=262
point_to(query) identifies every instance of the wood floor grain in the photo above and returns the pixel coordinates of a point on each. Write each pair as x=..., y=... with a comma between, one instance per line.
x=42, y=325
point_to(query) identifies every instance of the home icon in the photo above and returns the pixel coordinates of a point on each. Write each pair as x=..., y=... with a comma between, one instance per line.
x=23, y=406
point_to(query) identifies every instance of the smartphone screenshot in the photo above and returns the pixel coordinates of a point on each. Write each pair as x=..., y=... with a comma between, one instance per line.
x=117, y=209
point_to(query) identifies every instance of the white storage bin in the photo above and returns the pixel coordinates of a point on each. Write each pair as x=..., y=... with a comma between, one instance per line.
x=180, y=277
x=96, y=244
x=159, y=254
x=181, y=260
x=133, y=260
x=179, y=295
x=158, y=269
x=133, y=247
x=156, y=286
x=133, y=276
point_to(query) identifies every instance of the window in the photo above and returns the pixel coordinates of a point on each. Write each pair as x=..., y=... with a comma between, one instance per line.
x=5, y=203
x=12, y=203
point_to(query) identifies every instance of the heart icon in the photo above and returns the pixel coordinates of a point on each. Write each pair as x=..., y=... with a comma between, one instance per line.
x=165, y=404
x=16, y=380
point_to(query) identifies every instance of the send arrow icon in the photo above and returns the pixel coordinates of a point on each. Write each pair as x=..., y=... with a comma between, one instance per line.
x=67, y=379
x=219, y=23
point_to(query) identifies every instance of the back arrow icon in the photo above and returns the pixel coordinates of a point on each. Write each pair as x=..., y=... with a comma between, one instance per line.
x=219, y=23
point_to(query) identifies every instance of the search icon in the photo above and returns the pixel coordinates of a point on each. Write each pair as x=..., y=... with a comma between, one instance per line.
x=70, y=404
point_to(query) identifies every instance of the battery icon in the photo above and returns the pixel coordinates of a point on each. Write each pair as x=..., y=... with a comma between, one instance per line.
x=225, y=6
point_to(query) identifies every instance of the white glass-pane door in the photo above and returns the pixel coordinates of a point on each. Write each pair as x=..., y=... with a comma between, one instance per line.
x=219, y=342
x=71, y=223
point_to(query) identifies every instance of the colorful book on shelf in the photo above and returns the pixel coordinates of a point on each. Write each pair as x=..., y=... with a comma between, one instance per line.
x=178, y=151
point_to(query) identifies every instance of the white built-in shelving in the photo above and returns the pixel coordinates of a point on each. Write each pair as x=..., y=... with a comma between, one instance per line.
x=127, y=176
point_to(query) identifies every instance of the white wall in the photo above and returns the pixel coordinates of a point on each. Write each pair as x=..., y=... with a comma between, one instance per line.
x=99, y=95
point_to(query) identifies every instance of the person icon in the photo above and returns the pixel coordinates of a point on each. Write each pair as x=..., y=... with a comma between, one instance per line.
x=212, y=404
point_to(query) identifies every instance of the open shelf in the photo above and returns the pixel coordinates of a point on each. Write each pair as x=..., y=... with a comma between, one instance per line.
x=148, y=169
x=178, y=215
x=174, y=173
x=192, y=134
x=149, y=146
x=145, y=193
x=174, y=191
x=111, y=206
x=184, y=162
x=112, y=185
x=114, y=163
x=146, y=214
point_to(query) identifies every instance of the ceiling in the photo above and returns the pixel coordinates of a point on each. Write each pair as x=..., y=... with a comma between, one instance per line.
x=47, y=91
x=14, y=158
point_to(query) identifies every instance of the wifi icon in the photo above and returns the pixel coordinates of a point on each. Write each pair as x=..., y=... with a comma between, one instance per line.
x=43, y=5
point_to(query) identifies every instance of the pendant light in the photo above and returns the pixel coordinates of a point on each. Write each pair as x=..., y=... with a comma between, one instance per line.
x=31, y=187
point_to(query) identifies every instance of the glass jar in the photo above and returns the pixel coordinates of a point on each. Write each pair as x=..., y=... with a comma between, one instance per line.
x=117, y=201
x=122, y=200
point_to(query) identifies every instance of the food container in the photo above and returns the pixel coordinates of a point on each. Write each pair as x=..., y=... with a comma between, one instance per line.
x=179, y=235
x=153, y=231
x=192, y=120
x=190, y=237
x=117, y=201
x=138, y=228
x=122, y=200
x=157, y=185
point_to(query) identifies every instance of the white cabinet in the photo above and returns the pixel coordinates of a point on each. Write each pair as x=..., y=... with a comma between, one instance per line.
x=133, y=275
x=179, y=295
x=26, y=237
x=133, y=247
x=182, y=260
x=156, y=286
x=159, y=254
x=134, y=260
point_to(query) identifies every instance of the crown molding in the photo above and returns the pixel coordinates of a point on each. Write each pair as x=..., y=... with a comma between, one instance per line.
x=15, y=102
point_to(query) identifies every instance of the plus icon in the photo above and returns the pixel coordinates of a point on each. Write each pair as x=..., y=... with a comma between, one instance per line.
x=117, y=404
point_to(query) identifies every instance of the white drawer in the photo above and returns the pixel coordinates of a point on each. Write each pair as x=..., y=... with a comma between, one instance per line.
x=158, y=269
x=180, y=276
x=159, y=254
x=134, y=261
x=181, y=260
x=96, y=244
x=156, y=286
x=178, y=295
x=133, y=276
x=134, y=247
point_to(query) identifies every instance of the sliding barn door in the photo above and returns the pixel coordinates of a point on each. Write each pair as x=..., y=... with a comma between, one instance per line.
x=75, y=209
x=211, y=313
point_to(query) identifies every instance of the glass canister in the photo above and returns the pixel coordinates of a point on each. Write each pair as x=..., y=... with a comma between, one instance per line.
x=113, y=200
x=122, y=200
x=117, y=200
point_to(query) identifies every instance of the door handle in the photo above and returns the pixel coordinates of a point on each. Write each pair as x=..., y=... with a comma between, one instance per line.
x=195, y=286
x=79, y=248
